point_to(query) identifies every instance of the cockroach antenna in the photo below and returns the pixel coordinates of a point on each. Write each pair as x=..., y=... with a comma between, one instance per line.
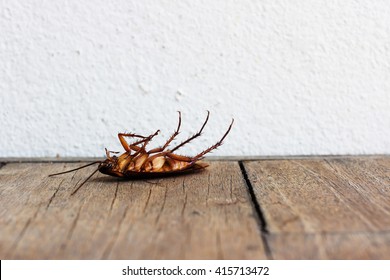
x=93, y=173
x=81, y=167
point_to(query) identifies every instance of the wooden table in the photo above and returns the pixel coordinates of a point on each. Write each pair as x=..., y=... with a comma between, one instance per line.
x=296, y=208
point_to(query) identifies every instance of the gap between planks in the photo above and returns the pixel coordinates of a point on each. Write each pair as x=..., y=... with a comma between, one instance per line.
x=262, y=223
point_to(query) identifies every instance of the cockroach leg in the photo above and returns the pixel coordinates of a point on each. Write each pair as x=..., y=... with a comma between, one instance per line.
x=128, y=147
x=179, y=157
x=216, y=145
x=160, y=149
x=110, y=152
x=145, y=142
x=124, y=143
x=174, y=134
x=194, y=136
x=134, y=147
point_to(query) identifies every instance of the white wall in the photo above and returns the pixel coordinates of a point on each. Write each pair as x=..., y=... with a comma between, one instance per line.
x=299, y=77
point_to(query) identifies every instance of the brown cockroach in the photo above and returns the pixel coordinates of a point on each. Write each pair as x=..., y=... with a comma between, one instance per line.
x=138, y=163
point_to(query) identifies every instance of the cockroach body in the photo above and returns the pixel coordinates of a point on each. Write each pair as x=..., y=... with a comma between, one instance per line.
x=138, y=163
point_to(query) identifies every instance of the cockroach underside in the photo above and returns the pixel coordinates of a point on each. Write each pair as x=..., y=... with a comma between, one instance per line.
x=139, y=163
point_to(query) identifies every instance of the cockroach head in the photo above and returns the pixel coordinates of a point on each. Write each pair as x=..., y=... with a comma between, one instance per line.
x=108, y=165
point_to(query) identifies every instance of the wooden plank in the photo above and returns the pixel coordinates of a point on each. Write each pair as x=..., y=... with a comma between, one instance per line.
x=316, y=196
x=206, y=215
x=26, y=194
x=333, y=208
x=18, y=201
x=335, y=246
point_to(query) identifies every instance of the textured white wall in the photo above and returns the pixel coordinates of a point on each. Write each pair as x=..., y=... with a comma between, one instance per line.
x=299, y=78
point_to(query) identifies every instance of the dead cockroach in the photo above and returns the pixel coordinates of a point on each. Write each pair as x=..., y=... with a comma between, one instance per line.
x=138, y=163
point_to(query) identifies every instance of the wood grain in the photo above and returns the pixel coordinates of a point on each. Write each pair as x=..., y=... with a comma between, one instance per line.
x=332, y=195
x=334, y=246
x=207, y=215
x=333, y=208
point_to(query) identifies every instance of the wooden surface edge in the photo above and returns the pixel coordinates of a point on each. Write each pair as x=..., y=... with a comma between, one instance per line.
x=207, y=158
